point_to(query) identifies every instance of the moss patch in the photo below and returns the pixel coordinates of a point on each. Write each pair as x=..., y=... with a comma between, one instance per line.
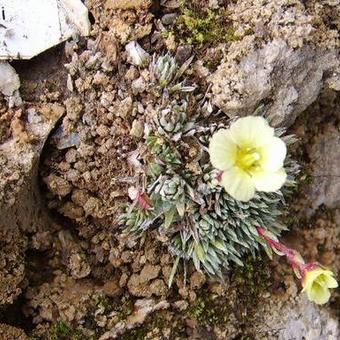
x=241, y=299
x=200, y=26
x=63, y=331
x=209, y=311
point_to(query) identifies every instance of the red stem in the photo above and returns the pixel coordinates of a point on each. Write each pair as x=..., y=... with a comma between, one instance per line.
x=291, y=254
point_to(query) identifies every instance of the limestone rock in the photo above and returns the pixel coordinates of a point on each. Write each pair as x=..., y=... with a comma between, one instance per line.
x=288, y=79
x=54, y=22
x=143, y=308
x=303, y=320
x=9, y=79
x=325, y=180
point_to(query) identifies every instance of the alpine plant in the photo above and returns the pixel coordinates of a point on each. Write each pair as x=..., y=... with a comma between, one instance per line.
x=212, y=187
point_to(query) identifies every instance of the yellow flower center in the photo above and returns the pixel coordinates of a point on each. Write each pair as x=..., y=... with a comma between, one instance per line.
x=321, y=280
x=248, y=159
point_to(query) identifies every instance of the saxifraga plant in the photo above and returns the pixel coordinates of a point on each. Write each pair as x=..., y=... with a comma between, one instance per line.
x=181, y=196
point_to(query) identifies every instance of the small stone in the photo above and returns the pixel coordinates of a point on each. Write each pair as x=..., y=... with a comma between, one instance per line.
x=138, y=85
x=149, y=272
x=158, y=287
x=101, y=79
x=92, y=206
x=69, y=83
x=111, y=288
x=123, y=280
x=169, y=19
x=71, y=156
x=183, y=53
x=181, y=305
x=136, y=55
x=197, y=280
x=124, y=108
x=137, y=129
x=9, y=79
x=103, y=130
x=79, y=266
x=58, y=185
x=72, y=175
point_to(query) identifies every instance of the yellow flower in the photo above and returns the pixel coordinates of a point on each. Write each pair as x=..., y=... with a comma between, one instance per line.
x=249, y=156
x=316, y=282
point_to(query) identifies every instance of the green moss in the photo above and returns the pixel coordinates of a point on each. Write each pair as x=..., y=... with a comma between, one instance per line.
x=125, y=307
x=210, y=310
x=203, y=26
x=254, y=276
x=63, y=331
x=247, y=283
x=135, y=334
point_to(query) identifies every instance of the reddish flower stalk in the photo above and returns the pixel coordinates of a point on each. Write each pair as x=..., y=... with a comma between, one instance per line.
x=293, y=257
x=315, y=279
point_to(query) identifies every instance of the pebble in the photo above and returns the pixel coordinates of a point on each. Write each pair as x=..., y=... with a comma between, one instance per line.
x=169, y=19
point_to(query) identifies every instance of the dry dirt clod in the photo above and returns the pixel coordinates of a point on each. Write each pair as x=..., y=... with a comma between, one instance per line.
x=127, y=4
x=58, y=185
x=10, y=332
x=197, y=280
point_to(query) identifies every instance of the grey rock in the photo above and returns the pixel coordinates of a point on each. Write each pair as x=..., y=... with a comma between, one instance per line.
x=65, y=140
x=169, y=19
x=306, y=321
x=325, y=179
x=183, y=53
x=288, y=79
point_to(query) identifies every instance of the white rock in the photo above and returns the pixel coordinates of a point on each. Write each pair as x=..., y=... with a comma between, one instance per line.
x=30, y=27
x=136, y=54
x=9, y=79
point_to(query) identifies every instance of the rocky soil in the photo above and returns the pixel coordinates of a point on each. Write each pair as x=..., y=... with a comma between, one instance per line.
x=67, y=159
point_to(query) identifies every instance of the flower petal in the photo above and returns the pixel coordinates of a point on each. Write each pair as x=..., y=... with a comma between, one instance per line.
x=273, y=154
x=310, y=277
x=331, y=282
x=222, y=150
x=251, y=132
x=318, y=294
x=269, y=181
x=238, y=184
